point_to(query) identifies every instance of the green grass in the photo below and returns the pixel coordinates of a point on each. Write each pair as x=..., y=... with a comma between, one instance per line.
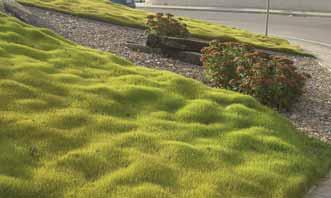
x=77, y=122
x=118, y=14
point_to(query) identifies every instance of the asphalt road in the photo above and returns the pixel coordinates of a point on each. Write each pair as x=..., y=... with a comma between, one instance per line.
x=311, y=33
x=316, y=29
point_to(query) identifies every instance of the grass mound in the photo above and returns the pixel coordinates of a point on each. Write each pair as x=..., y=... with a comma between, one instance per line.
x=77, y=122
x=118, y=14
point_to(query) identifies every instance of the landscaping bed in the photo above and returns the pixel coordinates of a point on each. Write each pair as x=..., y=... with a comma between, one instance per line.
x=310, y=114
x=76, y=122
x=116, y=14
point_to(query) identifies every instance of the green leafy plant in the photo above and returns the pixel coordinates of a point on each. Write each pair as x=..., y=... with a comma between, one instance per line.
x=166, y=25
x=273, y=80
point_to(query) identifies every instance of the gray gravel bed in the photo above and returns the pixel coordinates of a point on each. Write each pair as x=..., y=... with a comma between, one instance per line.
x=311, y=114
x=113, y=38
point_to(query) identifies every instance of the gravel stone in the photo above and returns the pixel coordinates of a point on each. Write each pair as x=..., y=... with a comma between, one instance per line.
x=312, y=113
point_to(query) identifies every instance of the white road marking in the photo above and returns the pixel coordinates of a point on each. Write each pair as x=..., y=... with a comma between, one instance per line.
x=307, y=40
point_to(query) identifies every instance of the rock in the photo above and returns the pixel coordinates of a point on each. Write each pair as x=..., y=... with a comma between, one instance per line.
x=153, y=41
x=185, y=56
x=12, y=7
x=182, y=44
x=2, y=7
x=293, y=116
x=190, y=57
x=186, y=50
x=20, y=12
x=142, y=48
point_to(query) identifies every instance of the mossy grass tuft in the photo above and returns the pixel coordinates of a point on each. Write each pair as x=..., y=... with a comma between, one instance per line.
x=76, y=122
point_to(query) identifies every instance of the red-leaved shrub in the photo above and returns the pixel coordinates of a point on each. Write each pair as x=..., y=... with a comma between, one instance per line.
x=273, y=80
x=166, y=25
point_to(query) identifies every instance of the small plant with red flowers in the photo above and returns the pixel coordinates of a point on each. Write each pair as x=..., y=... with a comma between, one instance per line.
x=273, y=80
x=166, y=25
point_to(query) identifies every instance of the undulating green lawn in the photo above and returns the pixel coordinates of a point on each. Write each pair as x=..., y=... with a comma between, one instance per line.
x=114, y=13
x=76, y=122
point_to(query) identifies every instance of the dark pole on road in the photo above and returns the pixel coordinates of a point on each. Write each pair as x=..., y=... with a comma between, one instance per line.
x=267, y=21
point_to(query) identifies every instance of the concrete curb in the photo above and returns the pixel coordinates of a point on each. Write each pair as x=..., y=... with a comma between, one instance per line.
x=237, y=10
